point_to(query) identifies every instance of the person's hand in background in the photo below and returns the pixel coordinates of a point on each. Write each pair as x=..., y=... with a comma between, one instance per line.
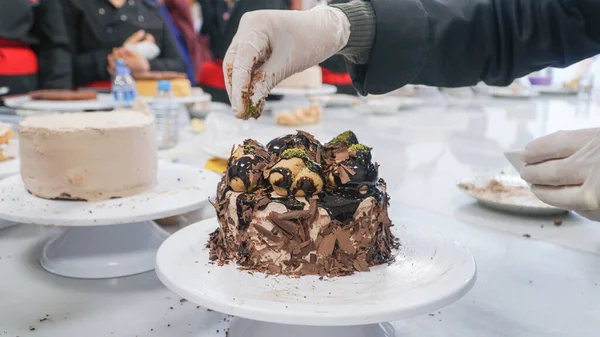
x=272, y=45
x=139, y=36
x=564, y=170
x=136, y=62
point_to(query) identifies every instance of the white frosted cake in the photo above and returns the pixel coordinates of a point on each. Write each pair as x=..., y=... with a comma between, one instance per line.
x=88, y=156
x=310, y=78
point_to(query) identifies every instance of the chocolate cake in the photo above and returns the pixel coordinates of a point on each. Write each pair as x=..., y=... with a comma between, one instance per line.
x=298, y=207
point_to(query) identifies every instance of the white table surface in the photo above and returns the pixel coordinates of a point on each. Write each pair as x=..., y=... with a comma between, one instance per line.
x=546, y=285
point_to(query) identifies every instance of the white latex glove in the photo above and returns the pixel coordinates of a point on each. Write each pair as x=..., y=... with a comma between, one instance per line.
x=272, y=45
x=564, y=170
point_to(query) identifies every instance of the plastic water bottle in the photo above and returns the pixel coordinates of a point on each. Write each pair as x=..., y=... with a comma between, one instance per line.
x=123, y=86
x=166, y=114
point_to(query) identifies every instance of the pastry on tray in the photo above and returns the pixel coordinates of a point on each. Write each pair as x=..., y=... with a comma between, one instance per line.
x=146, y=83
x=299, y=207
x=300, y=116
x=63, y=95
x=88, y=156
x=6, y=134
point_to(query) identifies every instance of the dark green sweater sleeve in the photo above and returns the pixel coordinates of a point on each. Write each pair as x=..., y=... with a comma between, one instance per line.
x=454, y=43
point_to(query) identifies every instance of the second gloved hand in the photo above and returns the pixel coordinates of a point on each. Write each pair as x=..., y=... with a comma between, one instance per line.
x=272, y=45
x=564, y=170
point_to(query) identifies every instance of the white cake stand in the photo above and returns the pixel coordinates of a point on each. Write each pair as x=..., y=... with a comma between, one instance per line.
x=325, y=89
x=431, y=271
x=102, y=102
x=94, y=246
x=9, y=168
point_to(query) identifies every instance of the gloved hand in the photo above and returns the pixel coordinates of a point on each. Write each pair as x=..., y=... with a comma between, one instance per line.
x=564, y=170
x=272, y=45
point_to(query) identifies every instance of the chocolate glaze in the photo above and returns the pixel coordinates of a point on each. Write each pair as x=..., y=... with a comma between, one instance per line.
x=286, y=182
x=242, y=203
x=297, y=141
x=290, y=203
x=339, y=208
x=307, y=185
x=241, y=169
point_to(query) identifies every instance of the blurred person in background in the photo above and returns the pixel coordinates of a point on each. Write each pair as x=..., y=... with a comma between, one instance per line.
x=34, y=51
x=178, y=17
x=100, y=29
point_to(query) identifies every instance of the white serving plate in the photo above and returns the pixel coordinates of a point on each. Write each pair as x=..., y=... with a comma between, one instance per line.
x=325, y=89
x=180, y=189
x=24, y=102
x=431, y=271
x=554, y=89
x=513, y=204
x=388, y=105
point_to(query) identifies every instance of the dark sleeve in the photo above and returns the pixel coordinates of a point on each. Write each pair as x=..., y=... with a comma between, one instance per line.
x=53, y=54
x=169, y=58
x=454, y=43
x=90, y=66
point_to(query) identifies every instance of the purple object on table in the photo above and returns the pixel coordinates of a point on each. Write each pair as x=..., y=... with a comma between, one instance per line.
x=541, y=80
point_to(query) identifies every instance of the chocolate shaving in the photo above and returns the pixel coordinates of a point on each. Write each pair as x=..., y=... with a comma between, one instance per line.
x=343, y=174
x=269, y=235
x=342, y=156
x=293, y=215
x=313, y=211
x=308, y=136
x=313, y=258
x=326, y=246
x=344, y=242
x=286, y=226
x=360, y=264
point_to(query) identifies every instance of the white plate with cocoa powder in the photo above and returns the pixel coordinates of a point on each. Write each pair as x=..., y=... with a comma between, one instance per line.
x=506, y=193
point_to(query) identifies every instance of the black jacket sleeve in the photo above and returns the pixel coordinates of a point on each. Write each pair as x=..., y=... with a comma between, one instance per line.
x=454, y=43
x=54, y=59
x=169, y=58
x=90, y=66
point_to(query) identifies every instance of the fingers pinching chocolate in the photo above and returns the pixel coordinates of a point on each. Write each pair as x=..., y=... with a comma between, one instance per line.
x=246, y=166
x=296, y=175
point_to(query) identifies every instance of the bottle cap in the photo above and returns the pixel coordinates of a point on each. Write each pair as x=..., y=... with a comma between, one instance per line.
x=120, y=63
x=164, y=85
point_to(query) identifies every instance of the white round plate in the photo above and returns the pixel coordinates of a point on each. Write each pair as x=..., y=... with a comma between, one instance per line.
x=180, y=189
x=506, y=92
x=204, y=97
x=554, y=90
x=338, y=101
x=325, y=89
x=389, y=105
x=104, y=102
x=214, y=152
x=431, y=271
x=514, y=204
x=9, y=168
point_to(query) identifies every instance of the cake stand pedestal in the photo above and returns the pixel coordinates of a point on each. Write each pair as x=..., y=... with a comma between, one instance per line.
x=241, y=327
x=430, y=272
x=110, y=238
